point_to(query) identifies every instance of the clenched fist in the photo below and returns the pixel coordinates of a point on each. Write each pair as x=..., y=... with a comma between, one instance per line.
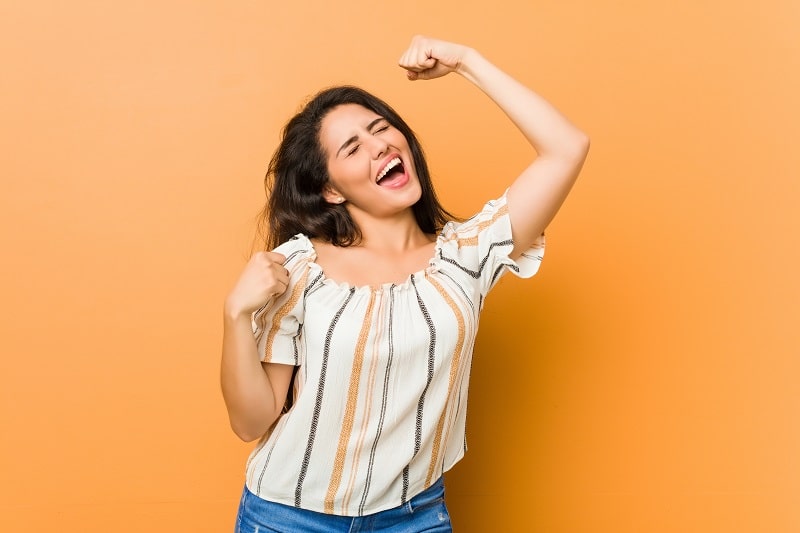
x=263, y=277
x=426, y=58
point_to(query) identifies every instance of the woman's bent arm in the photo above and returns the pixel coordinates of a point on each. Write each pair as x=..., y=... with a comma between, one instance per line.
x=537, y=194
x=254, y=392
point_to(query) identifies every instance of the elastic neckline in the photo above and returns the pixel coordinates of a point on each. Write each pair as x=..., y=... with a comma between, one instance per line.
x=347, y=287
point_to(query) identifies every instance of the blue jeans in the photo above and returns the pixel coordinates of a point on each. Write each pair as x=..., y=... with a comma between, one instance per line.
x=424, y=512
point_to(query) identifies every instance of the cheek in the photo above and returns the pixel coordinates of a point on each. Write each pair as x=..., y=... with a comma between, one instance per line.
x=337, y=170
x=343, y=176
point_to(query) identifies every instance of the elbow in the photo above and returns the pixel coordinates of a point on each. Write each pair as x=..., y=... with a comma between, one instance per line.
x=570, y=149
x=576, y=150
x=247, y=434
x=247, y=437
x=253, y=428
x=587, y=142
x=580, y=145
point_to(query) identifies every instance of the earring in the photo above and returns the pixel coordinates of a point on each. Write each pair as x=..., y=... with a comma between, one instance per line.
x=340, y=200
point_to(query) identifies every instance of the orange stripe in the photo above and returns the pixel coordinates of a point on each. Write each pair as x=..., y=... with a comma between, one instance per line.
x=481, y=226
x=261, y=321
x=468, y=241
x=297, y=290
x=373, y=368
x=473, y=241
x=350, y=410
x=453, y=372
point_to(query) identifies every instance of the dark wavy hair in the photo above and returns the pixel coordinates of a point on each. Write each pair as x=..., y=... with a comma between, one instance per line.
x=298, y=173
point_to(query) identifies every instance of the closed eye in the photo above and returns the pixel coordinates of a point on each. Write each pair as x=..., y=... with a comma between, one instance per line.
x=379, y=125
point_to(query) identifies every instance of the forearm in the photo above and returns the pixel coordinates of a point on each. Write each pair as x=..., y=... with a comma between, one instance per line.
x=550, y=133
x=249, y=395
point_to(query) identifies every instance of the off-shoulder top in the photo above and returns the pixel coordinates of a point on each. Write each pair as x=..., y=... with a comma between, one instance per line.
x=380, y=394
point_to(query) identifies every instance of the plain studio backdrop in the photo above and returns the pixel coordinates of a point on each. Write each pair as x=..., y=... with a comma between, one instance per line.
x=646, y=380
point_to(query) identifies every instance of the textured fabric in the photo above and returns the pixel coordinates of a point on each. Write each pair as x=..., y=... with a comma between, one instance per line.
x=425, y=512
x=381, y=390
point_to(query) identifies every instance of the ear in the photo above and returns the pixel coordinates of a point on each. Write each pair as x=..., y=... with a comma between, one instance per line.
x=331, y=195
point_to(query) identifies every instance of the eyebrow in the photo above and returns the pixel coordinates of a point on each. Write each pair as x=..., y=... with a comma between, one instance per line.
x=354, y=138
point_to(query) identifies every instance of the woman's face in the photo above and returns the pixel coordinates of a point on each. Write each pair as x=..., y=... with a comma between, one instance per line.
x=369, y=162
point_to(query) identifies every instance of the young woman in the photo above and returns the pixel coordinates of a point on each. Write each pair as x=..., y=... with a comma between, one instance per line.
x=347, y=348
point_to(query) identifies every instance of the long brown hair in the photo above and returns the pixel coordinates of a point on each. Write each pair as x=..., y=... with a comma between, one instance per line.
x=298, y=173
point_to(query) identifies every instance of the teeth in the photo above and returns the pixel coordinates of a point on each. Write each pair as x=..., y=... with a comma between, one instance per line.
x=389, y=166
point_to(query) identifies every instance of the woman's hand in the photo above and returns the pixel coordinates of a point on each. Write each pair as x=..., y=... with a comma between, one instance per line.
x=426, y=58
x=263, y=277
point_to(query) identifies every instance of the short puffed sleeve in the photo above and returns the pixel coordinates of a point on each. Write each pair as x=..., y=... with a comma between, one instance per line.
x=277, y=326
x=479, y=247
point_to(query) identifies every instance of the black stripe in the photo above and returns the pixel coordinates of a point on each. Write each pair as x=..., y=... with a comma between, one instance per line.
x=461, y=289
x=405, y=484
x=266, y=462
x=384, y=401
x=300, y=326
x=477, y=273
x=318, y=405
x=421, y=404
x=310, y=285
x=497, y=274
x=531, y=256
x=293, y=254
x=461, y=385
x=294, y=343
x=254, y=456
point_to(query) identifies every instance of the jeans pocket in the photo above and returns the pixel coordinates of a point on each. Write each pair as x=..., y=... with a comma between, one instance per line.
x=431, y=497
x=431, y=515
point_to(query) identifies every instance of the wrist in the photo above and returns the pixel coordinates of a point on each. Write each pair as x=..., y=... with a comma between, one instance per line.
x=233, y=312
x=470, y=63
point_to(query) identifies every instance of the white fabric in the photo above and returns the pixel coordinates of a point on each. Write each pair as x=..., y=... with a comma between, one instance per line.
x=381, y=389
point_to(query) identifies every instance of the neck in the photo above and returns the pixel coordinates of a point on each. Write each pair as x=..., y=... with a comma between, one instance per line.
x=395, y=234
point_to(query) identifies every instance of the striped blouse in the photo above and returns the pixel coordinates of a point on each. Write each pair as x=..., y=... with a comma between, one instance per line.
x=381, y=386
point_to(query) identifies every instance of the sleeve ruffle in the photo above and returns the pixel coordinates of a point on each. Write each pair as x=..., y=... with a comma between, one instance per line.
x=480, y=246
x=278, y=325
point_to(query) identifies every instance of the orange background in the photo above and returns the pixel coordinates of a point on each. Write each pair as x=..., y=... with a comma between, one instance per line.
x=645, y=381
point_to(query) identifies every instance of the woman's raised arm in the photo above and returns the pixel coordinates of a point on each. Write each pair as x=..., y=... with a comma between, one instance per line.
x=536, y=195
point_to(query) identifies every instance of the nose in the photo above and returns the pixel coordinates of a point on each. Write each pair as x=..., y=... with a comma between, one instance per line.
x=377, y=146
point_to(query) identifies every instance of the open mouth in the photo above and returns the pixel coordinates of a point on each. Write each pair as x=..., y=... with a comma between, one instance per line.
x=391, y=173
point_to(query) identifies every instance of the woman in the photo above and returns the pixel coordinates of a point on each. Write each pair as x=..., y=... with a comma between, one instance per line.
x=365, y=314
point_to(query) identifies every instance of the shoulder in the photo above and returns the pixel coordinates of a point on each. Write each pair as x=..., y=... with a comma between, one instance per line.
x=480, y=246
x=296, y=249
x=490, y=215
